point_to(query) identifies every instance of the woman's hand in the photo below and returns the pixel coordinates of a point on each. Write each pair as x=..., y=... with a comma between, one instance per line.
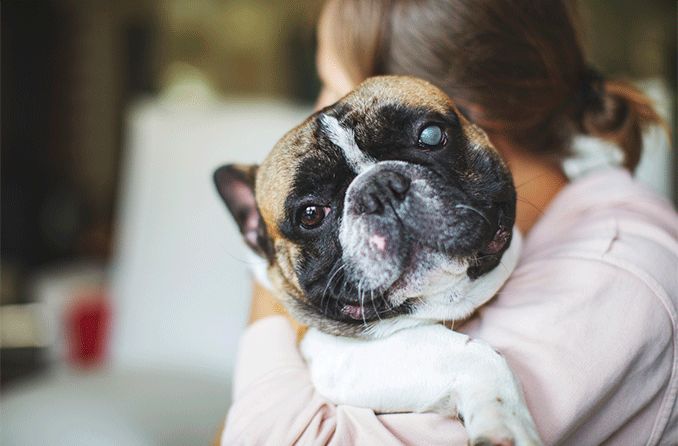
x=264, y=304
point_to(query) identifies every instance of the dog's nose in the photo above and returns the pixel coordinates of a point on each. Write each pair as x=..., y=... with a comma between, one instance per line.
x=386, y=187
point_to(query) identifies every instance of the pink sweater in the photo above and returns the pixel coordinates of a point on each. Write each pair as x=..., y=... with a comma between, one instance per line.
x=587, y=321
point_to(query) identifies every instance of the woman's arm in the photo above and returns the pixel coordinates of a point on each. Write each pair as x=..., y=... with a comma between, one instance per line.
x=275, y=402
x=265, y=304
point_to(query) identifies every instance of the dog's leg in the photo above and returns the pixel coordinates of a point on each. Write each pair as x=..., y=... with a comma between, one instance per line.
x=488, y=398
x=424, y=369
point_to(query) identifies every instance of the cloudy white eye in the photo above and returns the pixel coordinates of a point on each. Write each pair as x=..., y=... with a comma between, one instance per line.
x=431, y=136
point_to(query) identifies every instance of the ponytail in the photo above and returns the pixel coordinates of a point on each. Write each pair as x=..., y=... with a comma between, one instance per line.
x=618, y=114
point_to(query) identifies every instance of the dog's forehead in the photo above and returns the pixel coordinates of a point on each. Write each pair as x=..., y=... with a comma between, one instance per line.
x=413, y=93
x=398, y=90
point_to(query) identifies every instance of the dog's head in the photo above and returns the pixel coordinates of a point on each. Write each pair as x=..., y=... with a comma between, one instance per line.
x=382, y=210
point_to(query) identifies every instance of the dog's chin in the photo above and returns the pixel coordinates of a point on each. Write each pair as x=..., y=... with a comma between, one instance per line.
x=433, y=286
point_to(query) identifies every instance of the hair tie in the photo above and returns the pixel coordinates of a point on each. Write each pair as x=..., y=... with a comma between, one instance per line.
x=592, y=88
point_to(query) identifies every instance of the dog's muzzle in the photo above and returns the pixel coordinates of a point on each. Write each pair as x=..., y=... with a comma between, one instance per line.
x=397, y=214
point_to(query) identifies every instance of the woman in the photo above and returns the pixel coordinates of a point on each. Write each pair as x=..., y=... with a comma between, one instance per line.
x=588, y=320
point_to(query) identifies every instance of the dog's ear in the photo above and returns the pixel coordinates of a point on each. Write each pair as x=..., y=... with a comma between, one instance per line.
x=235, y=183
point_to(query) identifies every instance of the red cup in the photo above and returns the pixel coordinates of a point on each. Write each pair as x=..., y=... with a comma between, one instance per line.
x=87, y=323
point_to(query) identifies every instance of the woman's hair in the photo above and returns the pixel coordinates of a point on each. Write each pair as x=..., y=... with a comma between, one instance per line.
x=515, y=67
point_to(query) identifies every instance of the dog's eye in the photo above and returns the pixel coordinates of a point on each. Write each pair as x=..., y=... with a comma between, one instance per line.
x=312, y=216
x=432, y=136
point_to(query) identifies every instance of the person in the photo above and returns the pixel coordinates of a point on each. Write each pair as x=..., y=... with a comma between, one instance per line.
x=588, y=319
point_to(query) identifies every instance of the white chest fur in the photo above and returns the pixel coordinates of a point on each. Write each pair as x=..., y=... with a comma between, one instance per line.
x=427, y=368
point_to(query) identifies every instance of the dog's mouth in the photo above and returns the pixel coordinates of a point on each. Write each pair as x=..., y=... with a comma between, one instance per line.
x=374, y=309
x=368, y=306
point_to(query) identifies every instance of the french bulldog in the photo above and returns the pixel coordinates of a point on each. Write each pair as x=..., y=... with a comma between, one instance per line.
x=378, y=218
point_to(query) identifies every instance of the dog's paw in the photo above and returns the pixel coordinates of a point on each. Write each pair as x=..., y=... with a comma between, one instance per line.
x=502, y=426
x=506, y=438
x=486, y=441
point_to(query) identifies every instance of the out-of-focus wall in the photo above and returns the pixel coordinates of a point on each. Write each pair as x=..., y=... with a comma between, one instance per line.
x=242, y=47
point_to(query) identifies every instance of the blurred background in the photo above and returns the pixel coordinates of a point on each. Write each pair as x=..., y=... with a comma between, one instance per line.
x=123, y=282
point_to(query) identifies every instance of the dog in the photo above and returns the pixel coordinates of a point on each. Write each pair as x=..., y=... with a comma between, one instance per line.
x=377, y=218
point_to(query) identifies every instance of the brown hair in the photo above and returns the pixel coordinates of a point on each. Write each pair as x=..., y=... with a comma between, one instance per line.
x=516, y=67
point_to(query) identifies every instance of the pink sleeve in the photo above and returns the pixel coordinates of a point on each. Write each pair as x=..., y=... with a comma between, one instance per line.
x=275, y=403
x=594, y=348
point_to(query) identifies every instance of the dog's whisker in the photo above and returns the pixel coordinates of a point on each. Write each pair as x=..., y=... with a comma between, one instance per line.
x=329, y=281
x=326, y=307
x=389, y=307
x=327, y=286
x=344, y=285
x=374, y=305
x=248, y=262
x=471, y=208
x=361, y=298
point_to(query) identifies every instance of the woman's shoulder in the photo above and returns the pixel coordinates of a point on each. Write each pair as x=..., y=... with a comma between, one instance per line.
x=604, y=254
x=603, y=258
x=605, y=242
x=594, y=299
x=603, y=232
x=609, y=219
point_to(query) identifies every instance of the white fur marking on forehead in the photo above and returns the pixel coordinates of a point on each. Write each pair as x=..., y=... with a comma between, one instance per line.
x=344, y=138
